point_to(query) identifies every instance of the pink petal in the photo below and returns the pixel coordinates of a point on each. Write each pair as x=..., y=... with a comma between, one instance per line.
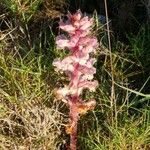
x=87, y=70
x=89, y=41
x=62, y=41
x=91, y=46
x=86, y=23
x=57, y=63
x=67, y=27
x=91, y=85
x=73, y=42
x=90, y=62
x=64, y=65
x=87, y=76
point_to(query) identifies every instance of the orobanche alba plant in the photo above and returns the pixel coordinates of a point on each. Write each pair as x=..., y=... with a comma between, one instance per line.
x=78, y=66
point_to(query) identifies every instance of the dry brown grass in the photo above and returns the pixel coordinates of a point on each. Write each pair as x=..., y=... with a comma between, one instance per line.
x=29, y=126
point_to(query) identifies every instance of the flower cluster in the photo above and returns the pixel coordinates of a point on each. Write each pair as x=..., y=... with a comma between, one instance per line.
x=78, y=66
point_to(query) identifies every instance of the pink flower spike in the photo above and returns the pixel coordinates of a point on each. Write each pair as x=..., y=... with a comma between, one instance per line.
x=78, y=65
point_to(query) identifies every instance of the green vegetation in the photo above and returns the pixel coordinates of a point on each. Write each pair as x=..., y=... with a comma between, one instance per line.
x=32, y=118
